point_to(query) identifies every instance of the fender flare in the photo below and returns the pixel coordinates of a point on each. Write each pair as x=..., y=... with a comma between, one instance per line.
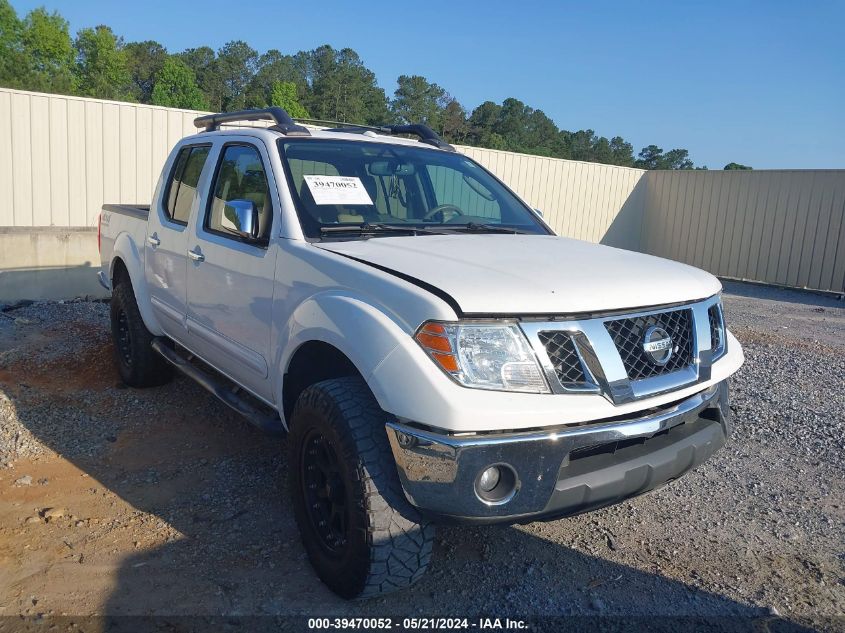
x=365, y=334
x=126, y=251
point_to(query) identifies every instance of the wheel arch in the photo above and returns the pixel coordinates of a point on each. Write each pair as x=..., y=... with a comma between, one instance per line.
x=349, y=335
x=312, y=362
x=127, y=263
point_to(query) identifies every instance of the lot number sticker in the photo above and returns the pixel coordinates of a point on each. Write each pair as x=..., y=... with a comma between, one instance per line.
x=338, y=190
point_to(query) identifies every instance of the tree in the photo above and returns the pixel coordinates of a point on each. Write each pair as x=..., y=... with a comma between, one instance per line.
x=284, y=96
x=417, y=100
x=274, y=67
x=11, y=47
x=482, y=123
x=101, y=64
x=652, y=157
x=235, y=66
x=176, y=87
x=454, y=126
x=144, y=61
x=737, y=166
x=649, y=157
x=676, y=159
x=203, y=63
x=343, y=89
x=47, y=52
x=622, y=152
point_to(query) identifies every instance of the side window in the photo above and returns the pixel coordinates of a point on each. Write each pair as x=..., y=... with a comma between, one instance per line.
x=183, y=182
x=240, y=176
x=471, y=197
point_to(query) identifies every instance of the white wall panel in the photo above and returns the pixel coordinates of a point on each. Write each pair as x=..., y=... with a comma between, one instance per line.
x=62, y=157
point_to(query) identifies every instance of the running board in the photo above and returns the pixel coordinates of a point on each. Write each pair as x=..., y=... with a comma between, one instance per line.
x=267, y=423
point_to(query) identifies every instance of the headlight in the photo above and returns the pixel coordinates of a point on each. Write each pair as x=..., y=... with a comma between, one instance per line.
x=484, y=356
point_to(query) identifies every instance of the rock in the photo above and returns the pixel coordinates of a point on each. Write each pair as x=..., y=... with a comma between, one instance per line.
x=31, y=520
x=26, y=480
x=597, y=604
x=50, y=514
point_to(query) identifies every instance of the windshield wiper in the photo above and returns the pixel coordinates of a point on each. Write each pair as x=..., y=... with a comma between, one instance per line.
x=368, y=228
x=480, y=227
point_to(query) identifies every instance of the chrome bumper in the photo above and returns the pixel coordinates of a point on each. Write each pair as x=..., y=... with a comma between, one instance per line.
x=553, y=478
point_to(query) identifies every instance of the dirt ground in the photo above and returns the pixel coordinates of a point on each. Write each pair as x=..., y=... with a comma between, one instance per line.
x=163, y=502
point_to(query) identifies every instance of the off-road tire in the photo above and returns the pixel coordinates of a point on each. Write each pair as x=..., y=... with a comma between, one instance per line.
x=137, y=363
x=388, y=544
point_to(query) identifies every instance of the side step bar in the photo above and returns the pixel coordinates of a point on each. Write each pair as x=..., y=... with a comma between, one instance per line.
x=269, y=424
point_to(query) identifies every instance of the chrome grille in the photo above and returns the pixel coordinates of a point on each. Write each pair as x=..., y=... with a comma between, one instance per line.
x=561, y=350
x=627, y=335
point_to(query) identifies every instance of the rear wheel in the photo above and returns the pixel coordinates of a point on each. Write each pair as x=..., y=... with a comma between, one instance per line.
x=362, y=536
x=137, y=363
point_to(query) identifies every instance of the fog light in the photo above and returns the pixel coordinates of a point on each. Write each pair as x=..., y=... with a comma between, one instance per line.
x=489, y=478
x=497, y=484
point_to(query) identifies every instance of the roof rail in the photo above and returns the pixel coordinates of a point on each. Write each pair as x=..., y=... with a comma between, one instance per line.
x=284, y=123
x=425, y=133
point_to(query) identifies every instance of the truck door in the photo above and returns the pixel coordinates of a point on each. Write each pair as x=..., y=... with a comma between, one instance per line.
x=231, y=277
x=167, y=238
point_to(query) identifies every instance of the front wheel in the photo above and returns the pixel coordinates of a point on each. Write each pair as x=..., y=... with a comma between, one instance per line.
x=362, y=536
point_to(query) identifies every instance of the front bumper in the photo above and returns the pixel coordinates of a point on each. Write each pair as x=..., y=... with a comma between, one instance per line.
x=561, y=472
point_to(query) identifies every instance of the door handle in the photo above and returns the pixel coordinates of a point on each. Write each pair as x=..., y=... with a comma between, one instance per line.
x=196, y=255
x=153, y=240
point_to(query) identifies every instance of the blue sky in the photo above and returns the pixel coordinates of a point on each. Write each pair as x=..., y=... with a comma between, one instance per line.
x=760, y=83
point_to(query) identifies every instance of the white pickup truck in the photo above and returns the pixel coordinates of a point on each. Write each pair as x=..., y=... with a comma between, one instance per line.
x=431, y=349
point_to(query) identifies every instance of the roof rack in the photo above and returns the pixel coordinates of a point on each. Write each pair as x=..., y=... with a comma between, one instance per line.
x=425, y=133
x=284, y=123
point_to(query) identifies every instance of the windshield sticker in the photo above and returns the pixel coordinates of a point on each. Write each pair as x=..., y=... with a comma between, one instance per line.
x=338, y=190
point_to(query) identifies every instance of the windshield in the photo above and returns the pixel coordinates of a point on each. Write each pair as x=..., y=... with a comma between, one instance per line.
x=337, y=183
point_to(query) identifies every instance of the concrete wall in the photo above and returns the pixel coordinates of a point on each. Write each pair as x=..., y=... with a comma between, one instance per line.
x=48, y=263
x=62, y=157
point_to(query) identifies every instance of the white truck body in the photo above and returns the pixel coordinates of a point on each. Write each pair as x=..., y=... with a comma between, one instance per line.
x=246, y=309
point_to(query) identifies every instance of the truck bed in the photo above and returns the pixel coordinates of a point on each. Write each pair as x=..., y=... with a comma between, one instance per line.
x=140, y=211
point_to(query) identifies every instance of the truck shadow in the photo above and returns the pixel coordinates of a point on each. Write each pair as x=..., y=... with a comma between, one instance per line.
x=212, y=492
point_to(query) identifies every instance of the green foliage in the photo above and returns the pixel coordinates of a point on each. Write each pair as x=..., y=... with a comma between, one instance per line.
x=101, y=65
x=343, y=89
x=11, y=47
x=417, y=100
x=284, y=96
x=273, y=68
x=235, y=66
x=652, y=157
x=203, y=62
x=732, y=166
x=176, y=87
x=46, y=62
x=37, y=53
x=144, y=61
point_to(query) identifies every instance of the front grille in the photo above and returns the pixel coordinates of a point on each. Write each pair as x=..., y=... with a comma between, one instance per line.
x=628, y=335
x=717, y=331
x=561, y=350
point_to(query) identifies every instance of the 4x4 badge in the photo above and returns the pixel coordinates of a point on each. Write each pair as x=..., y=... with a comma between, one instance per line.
x=657, y=344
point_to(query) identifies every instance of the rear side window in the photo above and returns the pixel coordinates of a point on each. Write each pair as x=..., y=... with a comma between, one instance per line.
x=240, y=176
x=182, y=186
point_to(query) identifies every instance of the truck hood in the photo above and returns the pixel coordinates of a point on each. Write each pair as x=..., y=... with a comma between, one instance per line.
x=532, y=274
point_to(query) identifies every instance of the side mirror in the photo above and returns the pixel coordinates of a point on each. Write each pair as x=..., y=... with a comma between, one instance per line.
x=538, y=212
x=240, y=217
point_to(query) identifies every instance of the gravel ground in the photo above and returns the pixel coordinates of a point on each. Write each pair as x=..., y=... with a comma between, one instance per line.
x=163, y=502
